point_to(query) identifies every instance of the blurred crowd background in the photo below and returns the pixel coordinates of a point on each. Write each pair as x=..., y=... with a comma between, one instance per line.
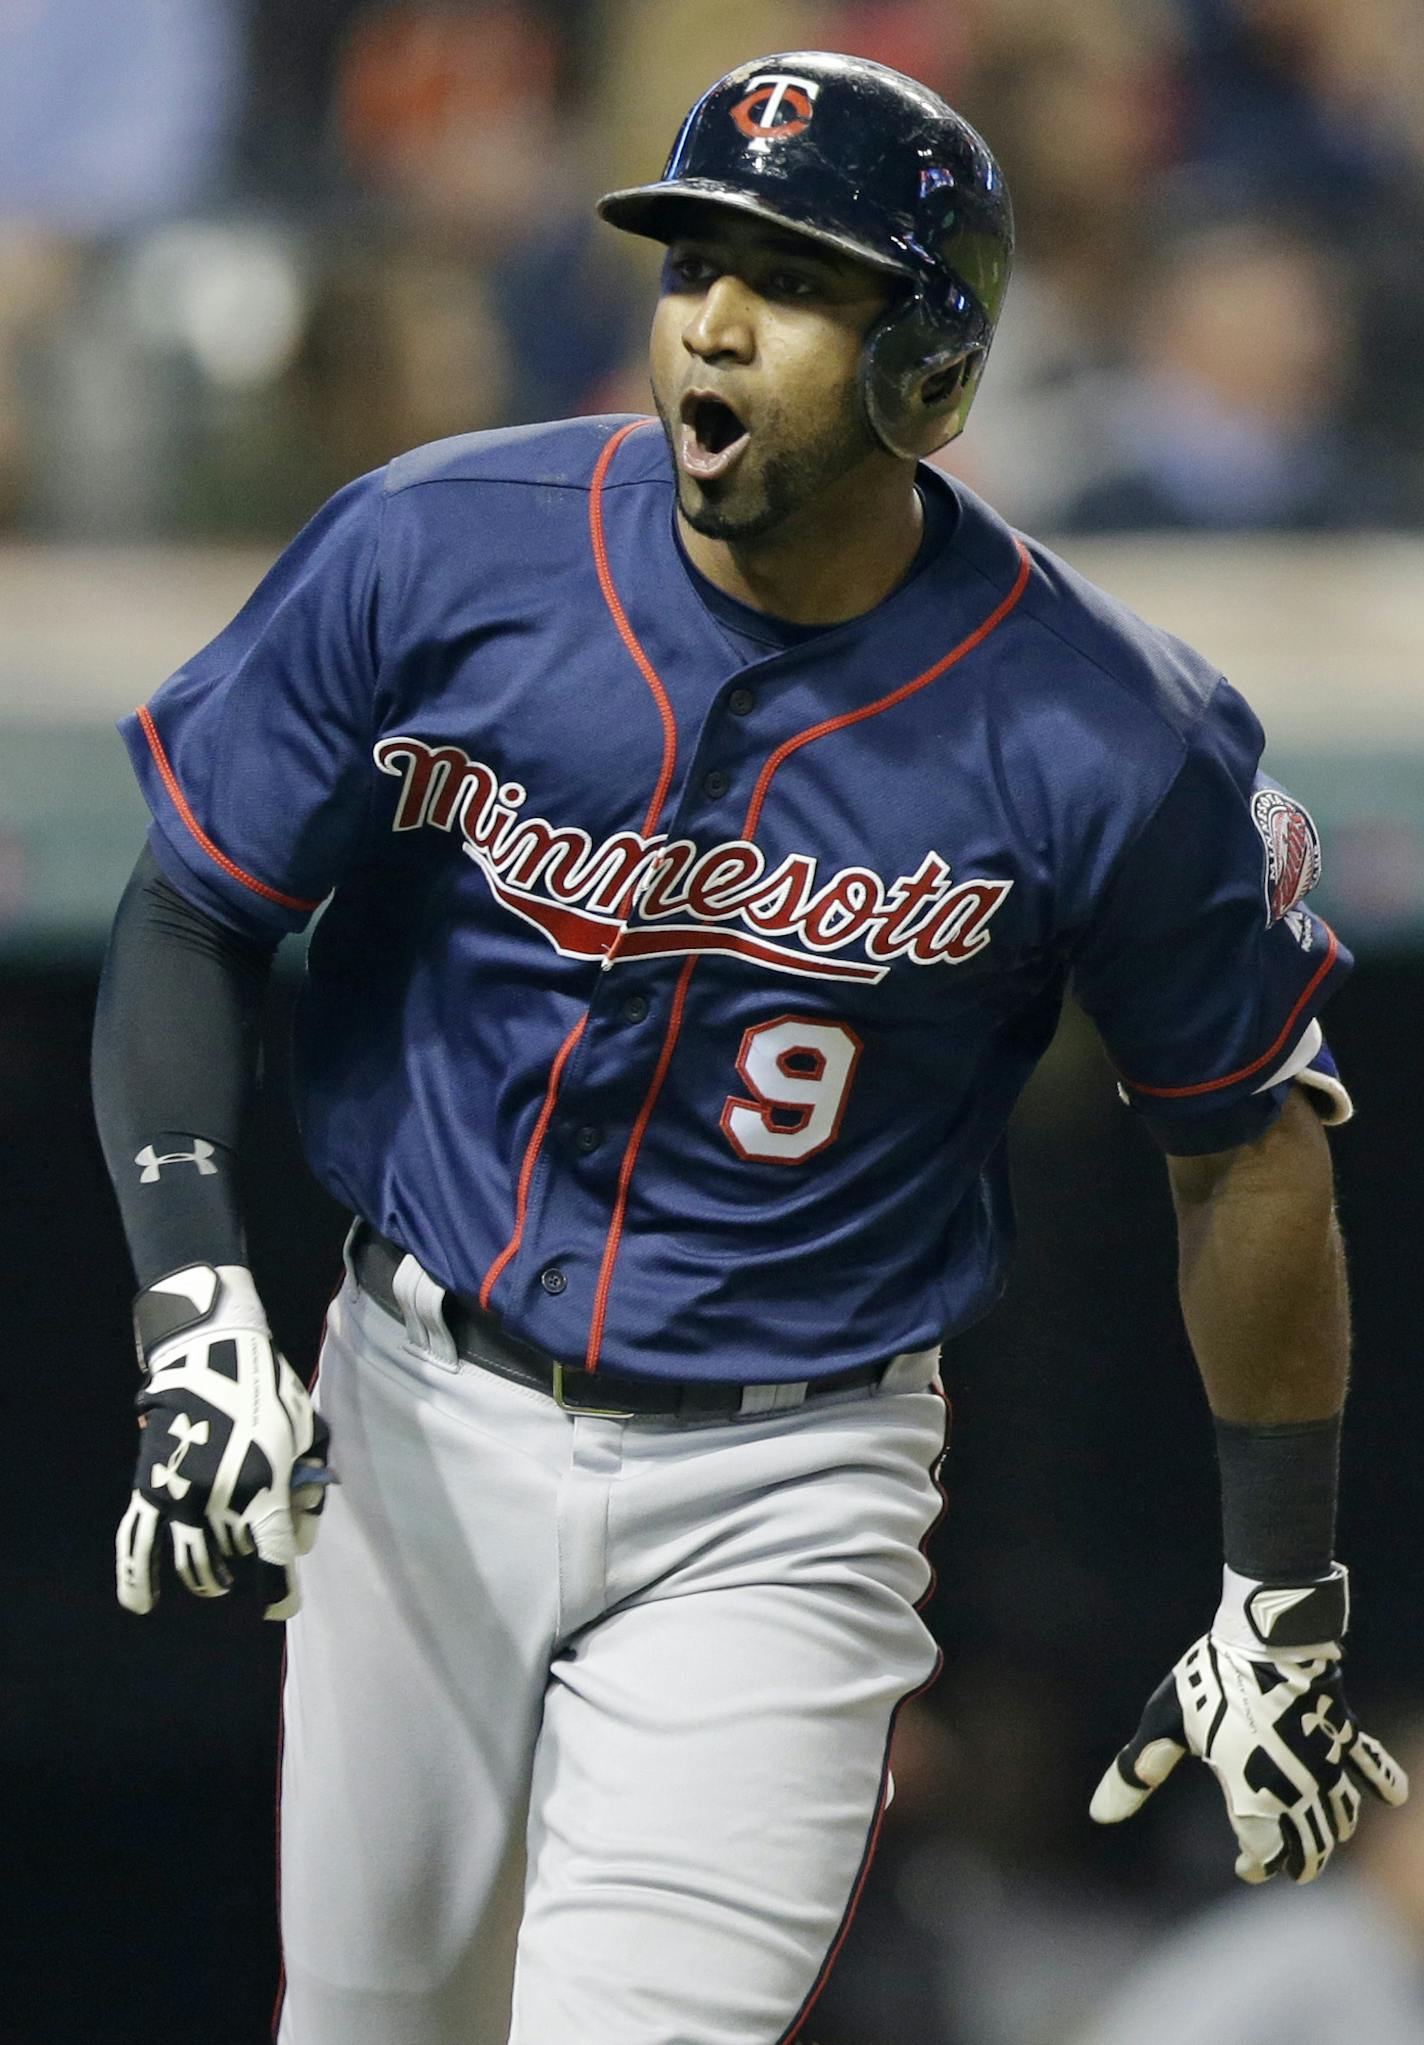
x=250, y=248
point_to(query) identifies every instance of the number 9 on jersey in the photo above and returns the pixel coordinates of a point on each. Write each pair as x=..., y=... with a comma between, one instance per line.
x=799, y=1072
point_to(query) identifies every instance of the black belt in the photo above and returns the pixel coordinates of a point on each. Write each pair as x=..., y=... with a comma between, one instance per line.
x=612, y=1394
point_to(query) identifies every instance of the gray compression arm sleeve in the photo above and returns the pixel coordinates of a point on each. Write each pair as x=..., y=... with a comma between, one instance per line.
x=175, y=1057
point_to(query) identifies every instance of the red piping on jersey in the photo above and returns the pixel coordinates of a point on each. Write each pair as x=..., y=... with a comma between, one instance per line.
x=659, y=797
x=180, y=803
x=977, y=637
x=1208, y=1086
x=882, y=1801
x=625, y=630
x=630, y=1159
x=531, y=1157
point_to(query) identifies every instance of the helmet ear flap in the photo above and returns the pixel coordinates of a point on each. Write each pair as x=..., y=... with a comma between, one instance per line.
x=914, y=401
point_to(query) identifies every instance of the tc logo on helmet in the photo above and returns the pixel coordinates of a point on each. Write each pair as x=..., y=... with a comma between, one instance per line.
x=777, y=106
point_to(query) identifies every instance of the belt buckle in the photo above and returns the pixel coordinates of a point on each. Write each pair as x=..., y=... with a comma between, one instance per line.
x=561, y=1376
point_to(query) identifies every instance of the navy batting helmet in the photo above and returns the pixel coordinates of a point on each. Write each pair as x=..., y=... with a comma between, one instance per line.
x=877, y=166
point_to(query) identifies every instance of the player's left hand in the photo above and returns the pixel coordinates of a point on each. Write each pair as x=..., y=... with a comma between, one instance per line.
x=232, y=1455
x=1259, y=1699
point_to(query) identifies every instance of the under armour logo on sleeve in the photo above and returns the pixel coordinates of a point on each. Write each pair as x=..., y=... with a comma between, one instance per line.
x=200, y=1155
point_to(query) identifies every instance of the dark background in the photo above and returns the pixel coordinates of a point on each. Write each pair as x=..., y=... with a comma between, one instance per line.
x=1077, y=1559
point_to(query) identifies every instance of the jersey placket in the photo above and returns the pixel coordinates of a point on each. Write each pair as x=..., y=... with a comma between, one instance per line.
x=542, y=1248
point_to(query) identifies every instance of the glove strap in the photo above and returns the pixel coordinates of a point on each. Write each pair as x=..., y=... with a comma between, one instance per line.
x=208, y=1296
x=1308, y=1620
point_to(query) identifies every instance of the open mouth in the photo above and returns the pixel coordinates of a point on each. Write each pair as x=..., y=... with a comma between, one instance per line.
x=713, y=437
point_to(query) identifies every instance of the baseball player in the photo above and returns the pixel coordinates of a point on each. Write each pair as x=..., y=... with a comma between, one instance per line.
x=707, y=814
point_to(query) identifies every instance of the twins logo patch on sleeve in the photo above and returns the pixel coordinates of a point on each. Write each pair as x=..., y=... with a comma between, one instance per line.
x=1292, y=847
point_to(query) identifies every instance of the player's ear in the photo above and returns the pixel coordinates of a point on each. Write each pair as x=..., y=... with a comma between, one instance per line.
x=942, y=386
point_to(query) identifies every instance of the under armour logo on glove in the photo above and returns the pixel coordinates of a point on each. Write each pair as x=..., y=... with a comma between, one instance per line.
x=1318, y=1721
x=188, y=1434
x=1272, y=1724
x=232, y=1456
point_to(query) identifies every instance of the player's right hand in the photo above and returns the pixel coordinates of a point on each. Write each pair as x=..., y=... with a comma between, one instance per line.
x=232, y=1455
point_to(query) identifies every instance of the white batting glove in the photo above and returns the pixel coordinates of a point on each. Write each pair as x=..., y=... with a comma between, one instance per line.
x=233, y=1456
x=1259, y=1699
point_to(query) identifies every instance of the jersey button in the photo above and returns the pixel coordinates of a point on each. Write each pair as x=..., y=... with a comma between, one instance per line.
x=553, y=1280
x=588, y=1138
x=741, y=702
x=635, y=1008
x=716, y=784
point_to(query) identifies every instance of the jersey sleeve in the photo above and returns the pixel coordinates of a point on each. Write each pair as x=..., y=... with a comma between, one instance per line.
x=1203, y=968
x=255, y=757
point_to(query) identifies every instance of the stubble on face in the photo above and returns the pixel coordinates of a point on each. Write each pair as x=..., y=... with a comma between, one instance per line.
x=793, y=460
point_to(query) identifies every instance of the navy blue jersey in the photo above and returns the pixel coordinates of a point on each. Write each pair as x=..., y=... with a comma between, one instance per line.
x=673, y=992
